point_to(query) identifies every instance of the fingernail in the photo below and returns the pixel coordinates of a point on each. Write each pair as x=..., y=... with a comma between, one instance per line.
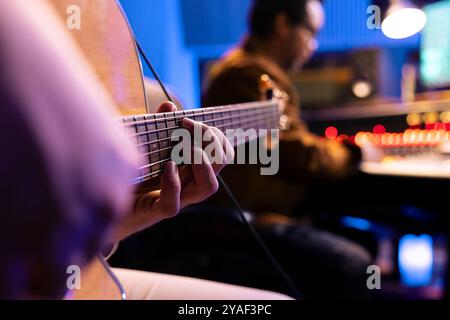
x=188, y=123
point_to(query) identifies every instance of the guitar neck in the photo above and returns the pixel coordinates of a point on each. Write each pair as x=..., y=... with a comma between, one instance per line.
x=152, y=132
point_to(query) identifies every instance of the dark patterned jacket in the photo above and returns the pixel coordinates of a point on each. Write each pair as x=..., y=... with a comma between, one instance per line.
x=303, y=155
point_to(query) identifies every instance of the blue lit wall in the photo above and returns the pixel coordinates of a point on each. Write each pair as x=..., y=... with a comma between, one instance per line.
x=158, y=26
x=346, y=28
x=221, y=23
x=209, y=22
x=177, y=33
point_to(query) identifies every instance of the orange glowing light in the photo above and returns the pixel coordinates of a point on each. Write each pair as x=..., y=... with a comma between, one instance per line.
x=389, y=159
x=431, y=118
x=407, y=136
x=387, y=139
x=422, y=136
x=445, y=117
x=363, y=138
x=376, y=138
x=398, y=139
x=414, y=119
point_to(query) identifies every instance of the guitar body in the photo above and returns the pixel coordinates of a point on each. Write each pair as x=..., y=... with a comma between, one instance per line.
x=106, y=40
x=102, y=33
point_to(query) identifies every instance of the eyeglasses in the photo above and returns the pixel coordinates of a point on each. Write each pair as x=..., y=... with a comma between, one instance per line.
x=313, y=43
x=313, y=31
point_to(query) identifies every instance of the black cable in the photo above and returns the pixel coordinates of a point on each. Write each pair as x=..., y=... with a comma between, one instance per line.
x=290, y=284
x=152, y=69
x=292, y=288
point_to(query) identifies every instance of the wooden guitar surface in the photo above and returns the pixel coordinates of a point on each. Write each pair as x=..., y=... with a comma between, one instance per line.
x=106, y=40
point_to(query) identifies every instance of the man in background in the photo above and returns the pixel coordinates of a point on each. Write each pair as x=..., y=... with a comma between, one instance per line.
x=282, y=39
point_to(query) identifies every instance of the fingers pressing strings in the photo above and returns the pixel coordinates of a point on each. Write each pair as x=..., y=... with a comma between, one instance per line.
x=214, y=143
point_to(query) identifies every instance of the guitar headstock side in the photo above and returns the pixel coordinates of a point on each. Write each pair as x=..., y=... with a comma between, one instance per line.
x=270, y=91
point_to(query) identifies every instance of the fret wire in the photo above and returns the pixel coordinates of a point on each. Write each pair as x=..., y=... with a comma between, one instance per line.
x=205, y=122
x=152, y=174
x=149, y=175
x=167, y=159
x=182, y=117
x=254, y=116
x=153, y=164
x=218, y=127
x=148, y=126
x=255, y=119
x=168, y=136
x=264, y=118
x=159, y=136
x=258, y=121
x=154, y=151
x=211, y=110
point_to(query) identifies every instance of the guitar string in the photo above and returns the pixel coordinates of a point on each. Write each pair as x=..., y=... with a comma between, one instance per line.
x=203, y=117
x=164, y=120
x=154, y=174
x=261, y=116
x=200, y=112
x=159, y=141
x=264, y=121
x=261, y=122
x=224, y=127
x=160, y=161
x=208, y=111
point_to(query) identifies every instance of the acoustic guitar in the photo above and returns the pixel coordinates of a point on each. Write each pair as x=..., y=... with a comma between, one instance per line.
x=106, y=39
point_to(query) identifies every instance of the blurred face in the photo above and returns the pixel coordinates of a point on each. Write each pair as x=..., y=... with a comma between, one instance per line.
x=300, y=42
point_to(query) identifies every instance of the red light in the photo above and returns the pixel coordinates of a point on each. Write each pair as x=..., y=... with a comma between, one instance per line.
x=342, y=137
x=352, y=139
x=379, y=129
x=439, y=126
x=331, y=133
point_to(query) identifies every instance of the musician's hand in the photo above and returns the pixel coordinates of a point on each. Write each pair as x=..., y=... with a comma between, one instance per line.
x=179, y=187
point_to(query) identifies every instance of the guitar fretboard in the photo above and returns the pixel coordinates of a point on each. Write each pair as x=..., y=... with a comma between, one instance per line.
x=152, y=133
